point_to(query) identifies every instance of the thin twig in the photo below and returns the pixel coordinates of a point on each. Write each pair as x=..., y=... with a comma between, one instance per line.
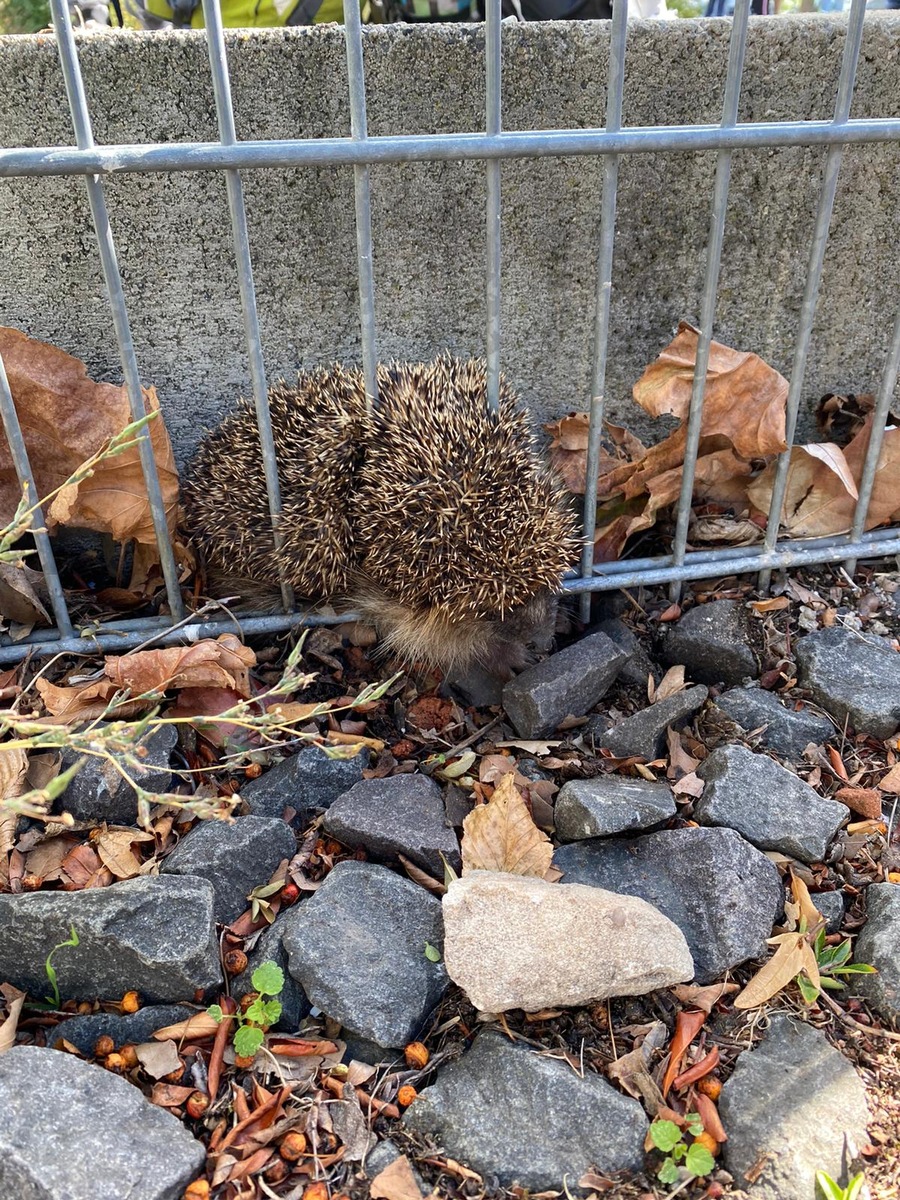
x=874, y=1029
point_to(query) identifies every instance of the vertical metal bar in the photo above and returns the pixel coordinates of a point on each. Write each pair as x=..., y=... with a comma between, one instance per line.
x=218, y=64
x=112, y=278
x=362, y=197
x=873, y=450
x=814, y=273
x=614, y=92
x=718, y=210
x=26, y=479
x=492, y=126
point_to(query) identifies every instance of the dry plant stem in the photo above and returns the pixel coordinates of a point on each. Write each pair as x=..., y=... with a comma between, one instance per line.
x=870, y=1029
x=217, y=1057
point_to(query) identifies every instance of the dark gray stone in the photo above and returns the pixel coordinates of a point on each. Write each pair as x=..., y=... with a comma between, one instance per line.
x=854, y=677
x=380, y=1158
x=567, y=683
x=155, y=934
x=306, y=781
x=787, y=731
x=73, y=1131
x=402, y=814
x=99, y=793
x=132, y=1028
x=879, y=945
x=765, y=803
x=831, y=906
x=796, y=1106
x=713, y=641
x=722, y=893
x=587, y=808
x=357, y=947
x=639, y=666
x=234, y=858
x=295, y=1005
x=526, y=1119
x=644, y=734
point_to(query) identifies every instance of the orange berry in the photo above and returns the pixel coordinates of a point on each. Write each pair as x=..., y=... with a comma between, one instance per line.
x=197, y=1104
x=406, y=1095
x=235, y=961
x=131, y=1002
x=129, y=1054
x=115, y=1063
x=104, y=1046
x=710, y=1086
x=708, y=1142
x=293, y=1146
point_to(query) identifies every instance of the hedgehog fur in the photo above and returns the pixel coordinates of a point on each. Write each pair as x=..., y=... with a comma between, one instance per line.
x=432, y=516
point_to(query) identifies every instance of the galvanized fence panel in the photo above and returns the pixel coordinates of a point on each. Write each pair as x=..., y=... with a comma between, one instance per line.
x=231, y=156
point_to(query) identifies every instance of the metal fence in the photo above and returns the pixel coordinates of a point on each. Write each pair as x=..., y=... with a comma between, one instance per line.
x=232, y=156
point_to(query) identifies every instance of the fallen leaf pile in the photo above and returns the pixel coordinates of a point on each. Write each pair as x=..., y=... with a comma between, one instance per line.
x=742, y=433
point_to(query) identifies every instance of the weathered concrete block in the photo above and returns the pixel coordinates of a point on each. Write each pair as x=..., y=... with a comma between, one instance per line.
x=173, y=231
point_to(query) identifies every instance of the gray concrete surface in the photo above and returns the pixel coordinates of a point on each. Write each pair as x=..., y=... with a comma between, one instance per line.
x=175, y=242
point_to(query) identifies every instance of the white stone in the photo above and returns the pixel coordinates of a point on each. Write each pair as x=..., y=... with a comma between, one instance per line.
x=514, y=941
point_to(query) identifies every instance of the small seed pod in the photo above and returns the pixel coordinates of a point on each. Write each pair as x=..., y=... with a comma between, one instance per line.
x=129, y=1054
x=235, y=961
x=244, y=1061
x=131, y=1002
x=198, y=1190
x=290, y=893
x=406, y=1095
x=247, y=1000
x=708, y=1142
x=416, y=1055
x=316, y=1191
x=197, y=1104
x=710, y=1086
x=104, y=1046
x=115, y=1063
x=293, y=1146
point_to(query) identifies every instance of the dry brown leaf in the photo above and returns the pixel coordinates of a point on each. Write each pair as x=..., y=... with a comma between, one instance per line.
x=19, y=599
x=501, y=836
x=744, y=398
x=115, y=849
x=170, y=1095
x=67, y=418
x=791, y=957
x=224, y=662
x=396, y=1182
x=703, y=997
x=158, y=1058
x=805, y=905
x=821, y=491
x=14, y=1001
x=689, y=785
x=294, y=712
x=891, y=782
x=193, y=1028
x=670, y=685
x=82, y=703
x=82, y=868
x=13, y=770
x=46, y=859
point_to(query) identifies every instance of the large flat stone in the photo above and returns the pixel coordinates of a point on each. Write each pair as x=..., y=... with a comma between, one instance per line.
x=234, y=858
x=608, y=804
x=793, y=1106
x=714, y=642
x=644, y=734
x=567, y=683
x=402, y=814
x=99, y=792
x=512, y=941
x=72, y=1131
x=155, y=935
x=721, y=892
x=306, y=781
x=529, y=1120
x=854, y=677
x=879, y=945
x=766, y=804
x=357, y=948
x=124, y=1029
x=787, y=731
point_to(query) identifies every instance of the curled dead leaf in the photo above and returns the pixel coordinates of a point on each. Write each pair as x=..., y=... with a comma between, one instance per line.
x=501, y=836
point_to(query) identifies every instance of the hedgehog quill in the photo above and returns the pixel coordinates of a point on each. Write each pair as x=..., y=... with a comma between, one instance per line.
x=433, y=517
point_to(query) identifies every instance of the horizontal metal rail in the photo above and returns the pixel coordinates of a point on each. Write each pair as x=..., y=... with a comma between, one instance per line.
x=440, y=147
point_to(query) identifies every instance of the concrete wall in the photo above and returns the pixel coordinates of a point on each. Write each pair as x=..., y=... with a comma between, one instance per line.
x=174, y=237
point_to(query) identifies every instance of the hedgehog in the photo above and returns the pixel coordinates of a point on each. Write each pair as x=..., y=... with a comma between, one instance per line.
x=432, y=516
